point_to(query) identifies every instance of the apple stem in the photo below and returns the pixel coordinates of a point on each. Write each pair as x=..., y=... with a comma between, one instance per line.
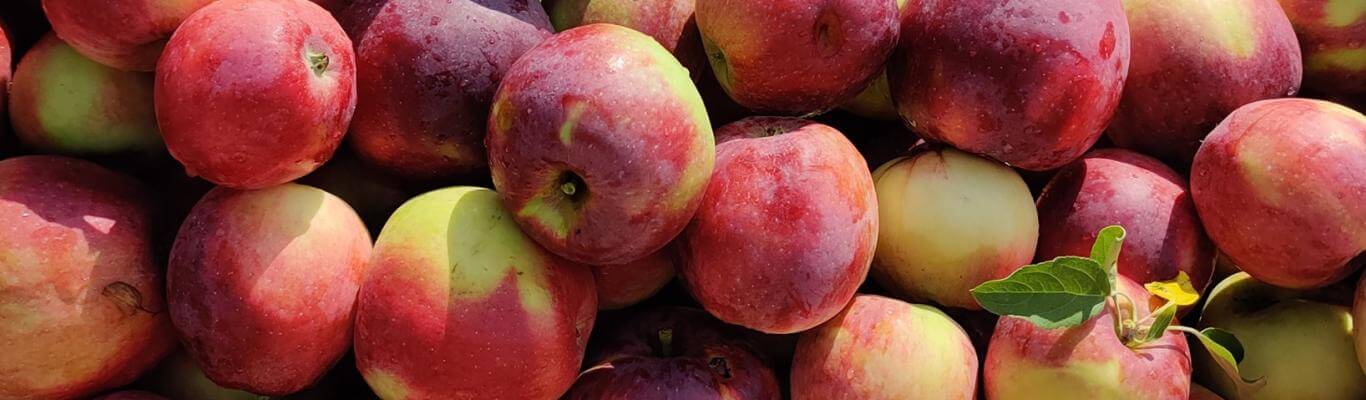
x=666, y=342
x=569, y=188
x=318, y=62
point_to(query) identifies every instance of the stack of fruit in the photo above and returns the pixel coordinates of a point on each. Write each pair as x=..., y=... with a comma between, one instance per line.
x=1041, y=191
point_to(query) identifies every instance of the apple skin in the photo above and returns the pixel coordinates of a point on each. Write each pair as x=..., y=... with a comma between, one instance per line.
x=1031, y=83
x=567, y=115
x=451, y=274
x=781, y=246
x=1289, y=169
x=796, y=56
x=6, y=73
x=1150, y=200
x=82, y=295
x=882, y=348
x=623, y=285
x=670, y=22
x=950, y=221
x=131, y=395
x=1330, y=34
x=62, y=102
x=1303, y=348
x=1359, y=315
x=124, y=34
x=232, y=79
x=425, y=88
x=1193, y=62
x=275, y=271
x=1088, y=361
x=704, y=360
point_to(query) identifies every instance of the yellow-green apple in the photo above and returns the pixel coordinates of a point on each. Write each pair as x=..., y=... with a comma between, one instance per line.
x=262, y=285
x=623, y=285
x=1281, y=188
x=1193, y=62
x=796, y=56
x=62, y=102
x=1302, y=348
x=1089, y=361
x=254, y=93
x=80, y=294
x=426, y=71
x=131, y=395
x=372, y=194
x=1120, y=187
x=1330, y=34
x=882, y=348
x=1359, y=315
x=786, y=228
x=579, y=166
x=1031, y=83
x=460, y=304
x=670, y=22
x=675, y=353
x=950, y=221
x=124, y=34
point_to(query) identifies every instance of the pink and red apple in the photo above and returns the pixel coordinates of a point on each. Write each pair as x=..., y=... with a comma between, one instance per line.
x=459, y=304
x=882, y=348
x=599, y=144
x=670, y=22
x=1281, y=189
x=251, y=94
x=1330, y=33
x=262, y=285
x=786, y=229
x=425, y=78
x=81, y=295
x=675, y=353
x=1150, y=200
x=624, y=285
x=124, y=34
x=796, y=56
x=1031, y=83
x=1194, y=62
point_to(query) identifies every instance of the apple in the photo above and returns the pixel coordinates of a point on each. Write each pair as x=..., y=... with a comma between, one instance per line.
x=1330, y=35
x=1150, y=200
x=670, y=22
x=253, y=93
x=62, y=102
x=1088, y=361
x=460, y=304
x=675, y=352
x=1030, y=83
x=6, y=69
x=950, y=221
x=1193, y=62
x=623, y=285
x=1301, y=347
x=372, y=194
x=882, y=348
x=178, y=377
x=81, y=295
x=1281, y=189
x=262, y=285
x=426, y=73
x=1359, y=314
x=124, y=34
x=875, y=101
x=130, y=395
x=796, y=56
x=578, y=165
x=786, y=228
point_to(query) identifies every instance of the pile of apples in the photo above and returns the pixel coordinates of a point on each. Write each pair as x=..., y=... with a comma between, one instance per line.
x=675, y=199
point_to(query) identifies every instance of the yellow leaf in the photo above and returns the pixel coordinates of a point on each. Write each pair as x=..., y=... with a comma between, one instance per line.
x=1178, y=290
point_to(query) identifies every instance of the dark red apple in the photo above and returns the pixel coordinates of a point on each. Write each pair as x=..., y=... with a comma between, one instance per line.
x=124, y=34
x=670, y=22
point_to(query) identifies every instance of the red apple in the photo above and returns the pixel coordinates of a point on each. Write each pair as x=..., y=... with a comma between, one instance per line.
x=124, y=34
x=1088, y=361
x=426, y=73
x=670, y=22
x=6, y=67
x=786, y=228
x=1193, y=63
x=599, y=144
x=1330, y=34
x=80, y=293
x=1150, y=200
x=1031, y=83
x=882, y=348
x=1281, y=189
x=796, y=56
x=255, y=93
x=62, y=102
x=624, y=285
x=459, y=304
x=675, y=353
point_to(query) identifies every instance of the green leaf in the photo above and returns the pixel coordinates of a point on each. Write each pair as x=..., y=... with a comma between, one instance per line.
x=1226, y=341
x=1064, y=292
x=1106, y=249
x=1161, y=320
x=1227, y=352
